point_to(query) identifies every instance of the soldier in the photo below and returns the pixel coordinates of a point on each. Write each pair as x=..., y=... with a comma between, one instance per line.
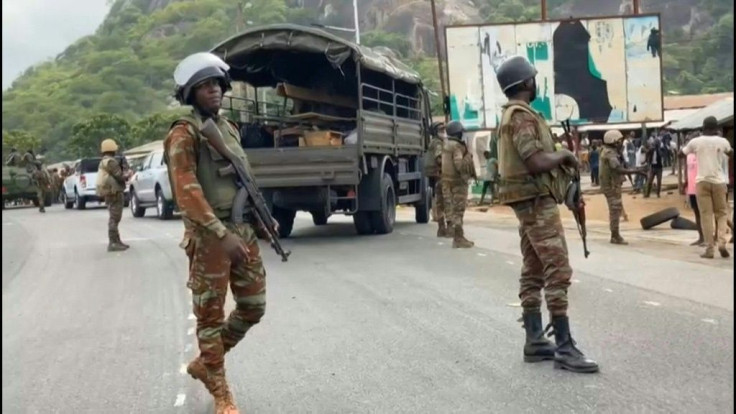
x=457, y=170
x=220, y=251
x=111, y=186
x=433, y=169
x=533, y=181
x=13, y=158
x=39, y=176
x=613, y=173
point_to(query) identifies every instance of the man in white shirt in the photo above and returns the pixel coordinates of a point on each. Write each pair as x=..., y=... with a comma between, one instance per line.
x=710, y=185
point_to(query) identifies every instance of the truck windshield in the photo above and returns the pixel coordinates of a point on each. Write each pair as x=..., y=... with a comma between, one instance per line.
x=90, y=165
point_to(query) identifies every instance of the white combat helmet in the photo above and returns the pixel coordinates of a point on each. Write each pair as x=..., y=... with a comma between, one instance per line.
x=198, y=67
x=612, y=136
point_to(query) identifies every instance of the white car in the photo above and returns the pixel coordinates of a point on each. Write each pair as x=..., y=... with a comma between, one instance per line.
x=150, y=187
x=80, y=187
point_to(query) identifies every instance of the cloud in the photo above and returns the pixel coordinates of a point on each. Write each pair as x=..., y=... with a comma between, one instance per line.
x=36, y=30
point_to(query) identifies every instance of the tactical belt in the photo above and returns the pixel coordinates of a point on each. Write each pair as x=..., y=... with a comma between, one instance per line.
x=224, y=215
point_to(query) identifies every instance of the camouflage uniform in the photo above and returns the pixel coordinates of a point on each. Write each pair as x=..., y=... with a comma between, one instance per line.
x=457, y=170
x=40, y=178
x=114, y=198
x=611, y=181
x=13, y=159
x=438, y=206
x=543, y=246
x=198, y=190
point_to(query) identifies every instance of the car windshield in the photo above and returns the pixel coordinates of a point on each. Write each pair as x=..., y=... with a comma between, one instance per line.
x=90, y=165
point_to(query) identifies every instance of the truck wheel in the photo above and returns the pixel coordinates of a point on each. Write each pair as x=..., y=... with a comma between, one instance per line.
x=659, y=217
x=163, y=208
x=423, y=209
x=681, y=223
x=285, y=218
x=79, y=202
x=362, y=222
x=65, y=200
x=35, y=202
x=383, y=220
x=135, y=205
x=319, y=218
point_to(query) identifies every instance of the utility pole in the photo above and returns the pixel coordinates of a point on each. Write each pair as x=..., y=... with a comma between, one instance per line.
x=435, y=23
x=355, y=18
x=544, y=9
x=636, y=6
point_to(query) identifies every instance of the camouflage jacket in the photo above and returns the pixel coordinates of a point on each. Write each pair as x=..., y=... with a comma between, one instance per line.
x=457, y=163
x=182, y=150
x=610, y=173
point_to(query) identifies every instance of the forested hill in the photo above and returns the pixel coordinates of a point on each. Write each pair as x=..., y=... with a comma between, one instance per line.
x=118, y=80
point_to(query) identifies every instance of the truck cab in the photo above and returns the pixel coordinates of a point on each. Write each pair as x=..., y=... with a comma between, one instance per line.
x=343, y=131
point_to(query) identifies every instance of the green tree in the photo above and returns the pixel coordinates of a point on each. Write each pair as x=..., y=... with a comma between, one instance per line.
x=89, y=134
x=21, y=140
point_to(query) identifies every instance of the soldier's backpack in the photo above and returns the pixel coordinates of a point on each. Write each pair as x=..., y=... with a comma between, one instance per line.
x=102, y=187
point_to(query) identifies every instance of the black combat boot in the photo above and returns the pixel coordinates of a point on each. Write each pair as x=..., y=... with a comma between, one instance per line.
x=536, y=348
x=567, y=356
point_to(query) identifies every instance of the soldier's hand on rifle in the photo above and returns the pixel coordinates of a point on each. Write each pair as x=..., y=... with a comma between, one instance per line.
x=235, y=248
x=570, y=159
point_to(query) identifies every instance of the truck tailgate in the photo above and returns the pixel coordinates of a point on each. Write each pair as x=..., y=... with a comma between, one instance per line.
x=305, y=166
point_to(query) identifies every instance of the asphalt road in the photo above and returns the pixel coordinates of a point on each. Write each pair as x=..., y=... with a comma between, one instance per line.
x=382, y=324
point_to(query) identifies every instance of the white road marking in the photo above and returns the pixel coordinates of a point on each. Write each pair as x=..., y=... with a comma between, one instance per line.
x=482, y=254
x=514, y=305
x=190, y=317
x=183, y=369
x=188, y=348
x=440, y=244
x=575, y=280
x=180, y=400
x=190, y=331
x=608, y=290
x=509, y=262
x=648, y=302
x=710, y=321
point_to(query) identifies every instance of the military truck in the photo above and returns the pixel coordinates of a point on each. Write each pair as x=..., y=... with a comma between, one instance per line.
x=345, y=132
x=18, y=185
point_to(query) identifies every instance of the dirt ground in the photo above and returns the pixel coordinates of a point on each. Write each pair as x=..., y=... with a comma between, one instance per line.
x=636, y=207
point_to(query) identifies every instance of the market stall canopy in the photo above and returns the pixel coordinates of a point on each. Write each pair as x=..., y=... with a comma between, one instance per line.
x=721, y=110
x=670, y=116
x=294, y=38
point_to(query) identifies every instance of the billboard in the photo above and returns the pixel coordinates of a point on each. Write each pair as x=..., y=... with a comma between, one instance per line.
x=591, y=71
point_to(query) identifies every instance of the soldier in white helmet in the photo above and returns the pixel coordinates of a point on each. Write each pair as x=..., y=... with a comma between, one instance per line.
x=612, y=176
x=221, y=252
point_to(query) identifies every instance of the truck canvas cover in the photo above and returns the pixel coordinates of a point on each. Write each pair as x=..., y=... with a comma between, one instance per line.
x=295, y=38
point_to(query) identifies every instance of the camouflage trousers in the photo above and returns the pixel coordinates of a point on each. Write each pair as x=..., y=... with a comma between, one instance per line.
x=210, y=273
x=438, y=206
x=115, y=204
x=455, y=195
x=545, y=261
x=41, y=191
x=615, y=208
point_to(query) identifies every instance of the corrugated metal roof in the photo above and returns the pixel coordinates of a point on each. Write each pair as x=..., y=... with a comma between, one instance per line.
x=669, y=116
x=694, y=101
x=145, y=148
x=722, y=110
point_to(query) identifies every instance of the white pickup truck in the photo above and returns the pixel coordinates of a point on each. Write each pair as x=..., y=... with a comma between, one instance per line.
x=150, y=187
x=80, y=187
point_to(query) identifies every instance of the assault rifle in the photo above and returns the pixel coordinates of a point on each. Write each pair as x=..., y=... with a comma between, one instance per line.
x=574, y=197
x=248, y=193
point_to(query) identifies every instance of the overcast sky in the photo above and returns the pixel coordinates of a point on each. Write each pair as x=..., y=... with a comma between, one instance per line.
x=34, y=30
